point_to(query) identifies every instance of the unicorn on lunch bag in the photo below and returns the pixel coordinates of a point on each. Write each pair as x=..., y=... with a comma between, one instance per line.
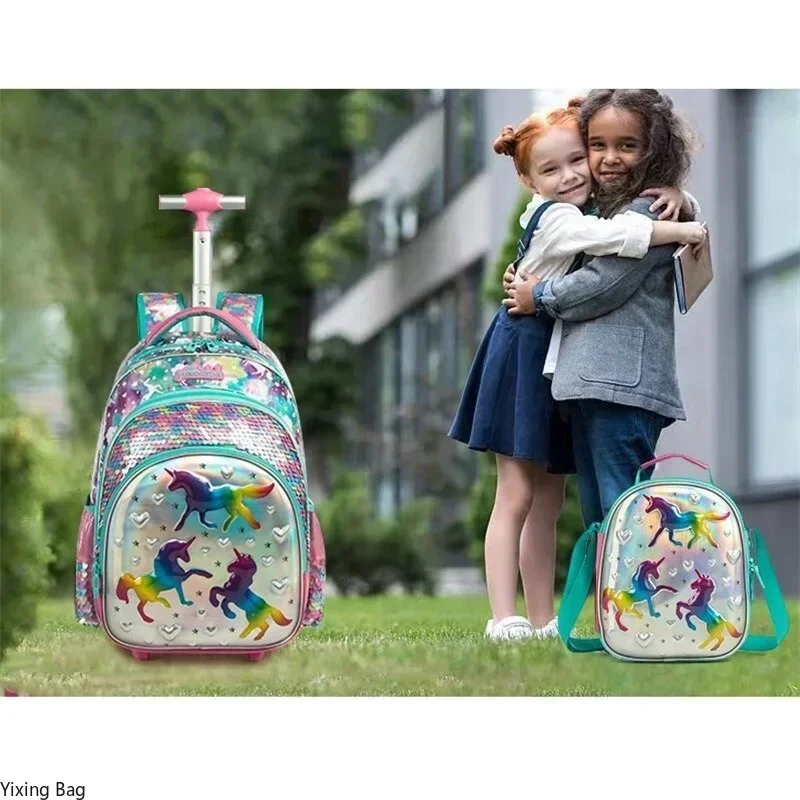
x=641, y=591
x=674, y=519
x=698, y=606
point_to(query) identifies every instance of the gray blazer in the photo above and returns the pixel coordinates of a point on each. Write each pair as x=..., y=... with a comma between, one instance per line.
x=618, y=341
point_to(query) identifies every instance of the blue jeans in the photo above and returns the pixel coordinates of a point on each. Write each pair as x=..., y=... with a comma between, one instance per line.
x=611, y=442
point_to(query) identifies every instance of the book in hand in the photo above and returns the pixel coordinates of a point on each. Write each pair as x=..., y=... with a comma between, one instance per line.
x=692, y=273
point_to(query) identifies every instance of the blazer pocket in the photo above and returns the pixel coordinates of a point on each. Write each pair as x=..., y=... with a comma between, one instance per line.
x=611, y=354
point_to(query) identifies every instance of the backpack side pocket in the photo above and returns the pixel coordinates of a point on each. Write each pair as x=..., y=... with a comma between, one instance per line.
x=316, y=587
x=84, y=567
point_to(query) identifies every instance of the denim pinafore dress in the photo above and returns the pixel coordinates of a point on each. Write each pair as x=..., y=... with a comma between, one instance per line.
x=506, y=406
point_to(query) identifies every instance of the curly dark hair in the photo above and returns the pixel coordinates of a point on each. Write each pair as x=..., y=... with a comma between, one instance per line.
x=668, y=147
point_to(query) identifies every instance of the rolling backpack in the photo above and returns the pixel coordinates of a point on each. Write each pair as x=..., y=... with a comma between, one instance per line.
x=675, y=568
x=198, y=534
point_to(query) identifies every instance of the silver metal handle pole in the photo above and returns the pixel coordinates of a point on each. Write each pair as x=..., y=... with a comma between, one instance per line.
x=201, y=281
x=202, y=203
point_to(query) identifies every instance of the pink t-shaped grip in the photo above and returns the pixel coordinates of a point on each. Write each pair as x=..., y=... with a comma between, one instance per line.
x=202, y=203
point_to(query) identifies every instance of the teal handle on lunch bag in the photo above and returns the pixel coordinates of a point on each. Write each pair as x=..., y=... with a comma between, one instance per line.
x=578, y=586
x=776, y=606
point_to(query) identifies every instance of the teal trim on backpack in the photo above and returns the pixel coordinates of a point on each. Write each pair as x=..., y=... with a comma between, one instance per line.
x=143, y=325
x=256, y=325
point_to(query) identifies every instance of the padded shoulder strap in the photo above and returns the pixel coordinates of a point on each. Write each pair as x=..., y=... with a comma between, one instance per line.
x=247, y=308
x=576, y=590
x=762, y=567
x=154, y=307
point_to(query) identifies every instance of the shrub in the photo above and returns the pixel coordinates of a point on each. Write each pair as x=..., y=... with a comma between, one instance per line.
x=68, y=479
x=365, y=554
x=24, y=553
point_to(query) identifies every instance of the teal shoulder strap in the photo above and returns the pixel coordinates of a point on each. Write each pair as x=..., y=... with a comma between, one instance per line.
x=762, y=567
x=155, y=307
x=576, y=590
x=247, y=308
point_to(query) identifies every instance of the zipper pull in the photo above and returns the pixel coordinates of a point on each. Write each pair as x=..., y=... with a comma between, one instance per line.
x=754, y=569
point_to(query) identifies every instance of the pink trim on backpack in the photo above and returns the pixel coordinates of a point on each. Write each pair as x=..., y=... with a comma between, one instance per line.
x=316, y=589
x=195, y=311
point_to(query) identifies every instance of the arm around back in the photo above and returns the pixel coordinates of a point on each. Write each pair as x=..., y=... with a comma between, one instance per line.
x=602, y=284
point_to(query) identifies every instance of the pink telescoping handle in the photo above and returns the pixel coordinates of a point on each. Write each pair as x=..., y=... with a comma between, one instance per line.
x=674, y=455
x=198, y=311
x=202, y=202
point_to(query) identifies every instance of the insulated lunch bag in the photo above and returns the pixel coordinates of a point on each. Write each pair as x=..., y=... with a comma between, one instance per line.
x=674, y=566
x=198, y=533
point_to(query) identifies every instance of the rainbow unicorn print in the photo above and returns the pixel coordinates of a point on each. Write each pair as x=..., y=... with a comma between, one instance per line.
x=699, y=607
x=167, y=574
x=641, y=591
x=202, y=497
x=674, y=519
x=236, y=591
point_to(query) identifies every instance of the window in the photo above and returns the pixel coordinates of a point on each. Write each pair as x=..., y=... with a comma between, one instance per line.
x=463, y=132
x=771, y=153
x=418, y=368
x=387, y=432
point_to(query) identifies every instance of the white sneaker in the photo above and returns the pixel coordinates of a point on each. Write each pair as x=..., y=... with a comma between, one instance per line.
x=549, y=631
x=509, y=629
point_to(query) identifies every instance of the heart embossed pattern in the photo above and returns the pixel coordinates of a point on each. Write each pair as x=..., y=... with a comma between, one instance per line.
x=169, y=632
x=281, y=533
x=140, y=518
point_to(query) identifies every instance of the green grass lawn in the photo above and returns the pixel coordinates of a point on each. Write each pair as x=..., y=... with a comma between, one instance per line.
x=385, y=646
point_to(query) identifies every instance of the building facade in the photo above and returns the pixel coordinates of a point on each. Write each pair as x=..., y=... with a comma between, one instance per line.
x=439, y=202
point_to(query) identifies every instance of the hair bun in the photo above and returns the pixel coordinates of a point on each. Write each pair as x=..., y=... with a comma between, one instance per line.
x=576, y=102
x=505, y=144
